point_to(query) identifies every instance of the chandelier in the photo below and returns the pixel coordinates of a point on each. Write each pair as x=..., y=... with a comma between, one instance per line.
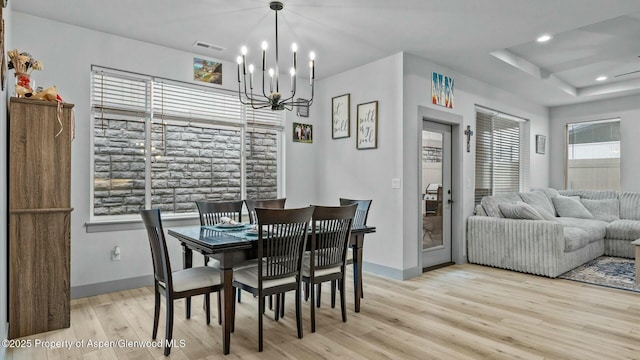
x=271, y=98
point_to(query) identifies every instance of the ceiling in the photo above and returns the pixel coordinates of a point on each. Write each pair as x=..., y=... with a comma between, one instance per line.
x=492, y=40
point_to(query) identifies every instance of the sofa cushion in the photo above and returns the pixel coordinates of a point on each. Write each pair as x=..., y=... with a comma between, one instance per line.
x=540, y=200
x=630, y=205
x=623, y=229
x=519, y=210
x=595, y=229
x=570, y=207
x=591, y=194
x=490, y=203
x=574, y=238
x=605, y=210
x=549, y=192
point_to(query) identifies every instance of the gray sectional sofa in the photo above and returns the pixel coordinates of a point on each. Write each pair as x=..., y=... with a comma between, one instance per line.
x=549, y=232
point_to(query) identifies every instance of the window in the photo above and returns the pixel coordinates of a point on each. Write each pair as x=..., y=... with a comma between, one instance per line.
x=593, y=155
x=164, y=144
x=502, y=153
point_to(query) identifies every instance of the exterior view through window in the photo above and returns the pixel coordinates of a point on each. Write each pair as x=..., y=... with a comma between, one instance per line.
x=593, y=155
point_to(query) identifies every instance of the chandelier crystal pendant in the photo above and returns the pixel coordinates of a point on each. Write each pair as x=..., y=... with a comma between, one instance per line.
x=272, y=98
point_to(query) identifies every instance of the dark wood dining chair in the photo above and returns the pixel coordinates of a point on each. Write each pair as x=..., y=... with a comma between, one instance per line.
x=180, y=284
x=359, y=220
x=211, y=213
x=252, y=204
x=281, y=244
x=327, y=255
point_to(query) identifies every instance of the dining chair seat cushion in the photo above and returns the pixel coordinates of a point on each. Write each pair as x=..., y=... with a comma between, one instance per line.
x=213, y=263
x=194, y=278
x=306, y=268
x=249, y=276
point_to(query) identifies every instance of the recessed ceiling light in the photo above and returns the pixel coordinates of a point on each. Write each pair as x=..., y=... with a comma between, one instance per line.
x=601, y=78
x=544, y=38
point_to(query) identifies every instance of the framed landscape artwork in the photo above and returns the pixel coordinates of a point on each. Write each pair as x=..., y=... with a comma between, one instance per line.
x=208, y=71
x=367, y=126
x=340, y=116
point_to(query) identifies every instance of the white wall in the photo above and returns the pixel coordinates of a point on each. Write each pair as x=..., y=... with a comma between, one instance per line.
x=3, y=182
x=366, y=174
x=67, y=53
x=627, y=109
x=402, y=83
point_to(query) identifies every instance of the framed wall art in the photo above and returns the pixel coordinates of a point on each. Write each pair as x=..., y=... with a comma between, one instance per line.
x=303, y=109
x=541, y=142
x=208, y=71
x=441, y=90
x=367, y=126
x=302, y=133
x=340, y=116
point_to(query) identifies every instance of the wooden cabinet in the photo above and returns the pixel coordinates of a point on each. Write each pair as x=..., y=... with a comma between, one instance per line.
x=39, y=216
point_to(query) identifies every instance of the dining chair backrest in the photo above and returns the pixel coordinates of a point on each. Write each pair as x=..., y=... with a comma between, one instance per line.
x=252, y=204
x=211, y=212
x=282, y=241
x=362, y=212
x=331, y=232
x=159, y=255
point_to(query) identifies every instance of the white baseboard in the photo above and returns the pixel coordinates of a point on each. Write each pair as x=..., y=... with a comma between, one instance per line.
x=389, y=272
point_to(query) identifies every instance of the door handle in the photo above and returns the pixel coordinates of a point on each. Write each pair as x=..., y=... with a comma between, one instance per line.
x=449, y=201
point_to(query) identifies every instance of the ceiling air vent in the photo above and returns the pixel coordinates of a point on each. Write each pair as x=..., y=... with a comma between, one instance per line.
x=204, y=45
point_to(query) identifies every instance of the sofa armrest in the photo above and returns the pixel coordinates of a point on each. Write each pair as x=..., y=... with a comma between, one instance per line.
x=531, y=246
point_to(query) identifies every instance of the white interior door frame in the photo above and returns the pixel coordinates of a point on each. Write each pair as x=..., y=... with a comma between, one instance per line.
x=458, y=245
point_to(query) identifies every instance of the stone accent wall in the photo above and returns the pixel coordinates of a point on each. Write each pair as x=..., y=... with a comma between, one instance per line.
x=190, y=162
x=118, y=167
x=262, y=164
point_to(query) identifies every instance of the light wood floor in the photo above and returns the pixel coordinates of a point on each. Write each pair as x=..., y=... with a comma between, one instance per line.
x=457, y=312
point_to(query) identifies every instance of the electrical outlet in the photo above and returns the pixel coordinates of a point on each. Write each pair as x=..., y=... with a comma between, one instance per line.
x=115, y=253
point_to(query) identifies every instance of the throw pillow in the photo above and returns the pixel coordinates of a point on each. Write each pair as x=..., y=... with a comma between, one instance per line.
x=570, y=207
x=490, y=203
x=539, y=199
x=605, y=210
x=545, y=214
x=519, y=210
x=549, y=192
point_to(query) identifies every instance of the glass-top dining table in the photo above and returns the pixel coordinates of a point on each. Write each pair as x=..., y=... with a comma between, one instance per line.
x=231, y=246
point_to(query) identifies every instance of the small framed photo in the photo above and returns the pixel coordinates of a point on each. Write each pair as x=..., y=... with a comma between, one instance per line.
x=340, y=116
x=367, y=126
x=302, y=133
x=303, y=108
x=541, y=142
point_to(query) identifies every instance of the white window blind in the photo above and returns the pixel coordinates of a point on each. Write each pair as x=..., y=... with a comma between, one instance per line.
x=501, y=155
x=184, y=102
x=264, y=117
x=117, y=92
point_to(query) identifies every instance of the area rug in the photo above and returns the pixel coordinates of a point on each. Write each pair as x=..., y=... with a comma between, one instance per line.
x=607, y=271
